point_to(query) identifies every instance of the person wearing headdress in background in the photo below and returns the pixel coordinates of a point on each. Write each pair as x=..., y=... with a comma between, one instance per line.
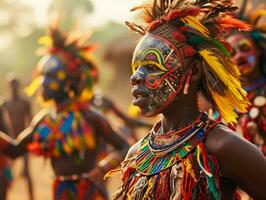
x=17, y=116
x=68, y=132
x=186, y=155
x=249, y=54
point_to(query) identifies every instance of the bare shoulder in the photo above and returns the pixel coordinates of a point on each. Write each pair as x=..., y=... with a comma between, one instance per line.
x=221, y=138
x=93, y=115
x=25, y=102
x=233, y=152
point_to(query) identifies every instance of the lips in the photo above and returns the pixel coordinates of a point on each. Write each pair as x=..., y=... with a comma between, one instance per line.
x=242, y=62
x=243, y=65
x=140, y=97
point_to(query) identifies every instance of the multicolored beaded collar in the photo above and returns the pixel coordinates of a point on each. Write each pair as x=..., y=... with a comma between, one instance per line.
x=153, y=158
x=66, y=134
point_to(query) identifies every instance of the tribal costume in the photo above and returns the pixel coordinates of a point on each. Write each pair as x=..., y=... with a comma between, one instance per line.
x=65, y=133
x=182, y=170
x=249, y=54
x=176, y=165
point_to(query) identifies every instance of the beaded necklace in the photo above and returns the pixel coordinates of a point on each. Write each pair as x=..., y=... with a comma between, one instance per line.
x=153, y=158
x=181, y=169
x=66, y=134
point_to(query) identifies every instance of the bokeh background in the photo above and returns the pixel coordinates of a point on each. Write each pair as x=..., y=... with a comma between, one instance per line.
x=22, y=22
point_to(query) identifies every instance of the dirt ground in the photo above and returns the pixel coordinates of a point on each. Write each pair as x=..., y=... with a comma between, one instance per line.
x=42, y=176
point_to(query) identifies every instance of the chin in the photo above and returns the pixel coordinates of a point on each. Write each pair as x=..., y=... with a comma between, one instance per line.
x=46, y=97
x=246, y=70
x=149, y=113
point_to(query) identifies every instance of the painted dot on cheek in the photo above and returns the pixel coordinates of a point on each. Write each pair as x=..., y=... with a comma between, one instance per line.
x=54, y=86
x=251, y=59
x=61, y=75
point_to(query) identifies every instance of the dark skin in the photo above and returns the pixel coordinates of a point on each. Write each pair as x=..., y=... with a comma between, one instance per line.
x=241, y=164
x=65, y=165
x=15, y=149
x=107, y=105
x=17, y=117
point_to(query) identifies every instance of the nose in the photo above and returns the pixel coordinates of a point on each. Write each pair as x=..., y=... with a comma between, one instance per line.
x=138, y=77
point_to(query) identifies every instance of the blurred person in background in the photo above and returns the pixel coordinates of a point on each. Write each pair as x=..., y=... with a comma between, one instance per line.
x=17, y=116
x=69, y=131
x=249, y=54
x=5, y=171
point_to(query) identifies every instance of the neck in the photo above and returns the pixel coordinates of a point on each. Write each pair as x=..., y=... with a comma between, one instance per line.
x=14, y=96
x=253, y=77
x=179, y=114
x=60, y=105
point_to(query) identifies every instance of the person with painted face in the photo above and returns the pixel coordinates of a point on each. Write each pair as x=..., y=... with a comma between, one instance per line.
x=69, y=132
x=186, y=155
x=249, y=54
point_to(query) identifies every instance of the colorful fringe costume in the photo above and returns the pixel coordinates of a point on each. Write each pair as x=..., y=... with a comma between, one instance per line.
x=81, y=189
x=176, y=165
x=64, y=130
x=66, y=134
x=183, y=170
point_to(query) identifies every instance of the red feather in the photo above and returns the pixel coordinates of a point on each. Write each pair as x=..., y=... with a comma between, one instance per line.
x=155, y=24
x=182, y=13
x=229, y=22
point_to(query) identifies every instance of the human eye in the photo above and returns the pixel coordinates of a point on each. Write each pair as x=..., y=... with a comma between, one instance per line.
x=245, y=45
x=61, y=75
x=152, y=67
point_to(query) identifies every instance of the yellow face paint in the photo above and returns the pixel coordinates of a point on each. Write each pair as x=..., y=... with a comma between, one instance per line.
x=53, y=86
x=245, y=45
x=61, y=75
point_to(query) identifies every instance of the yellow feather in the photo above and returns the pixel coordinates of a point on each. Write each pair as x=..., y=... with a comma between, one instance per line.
x=31, y=89
x=45, y=40
x=192, y=21
x=257, y=14
x=234, y=96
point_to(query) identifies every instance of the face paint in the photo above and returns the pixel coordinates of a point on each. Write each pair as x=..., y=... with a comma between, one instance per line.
x=158, y=74
x=61, y=75
x=54, y=77
x=53, y=86
x=245, y=54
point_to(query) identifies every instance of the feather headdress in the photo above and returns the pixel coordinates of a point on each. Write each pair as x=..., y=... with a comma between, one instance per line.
x=203, y=24
x=256, y=18
x=76, y=54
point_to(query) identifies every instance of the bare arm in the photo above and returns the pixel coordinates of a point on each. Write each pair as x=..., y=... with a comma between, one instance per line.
x=28, y=114
x=104, y=129
x=239, y=161
x=14, y=148
x=107, y=104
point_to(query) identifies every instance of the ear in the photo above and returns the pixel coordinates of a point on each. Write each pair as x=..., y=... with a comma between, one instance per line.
x=197, y=70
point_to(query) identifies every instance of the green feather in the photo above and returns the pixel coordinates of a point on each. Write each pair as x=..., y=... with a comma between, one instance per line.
x=220, y=46
x=195, y=40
